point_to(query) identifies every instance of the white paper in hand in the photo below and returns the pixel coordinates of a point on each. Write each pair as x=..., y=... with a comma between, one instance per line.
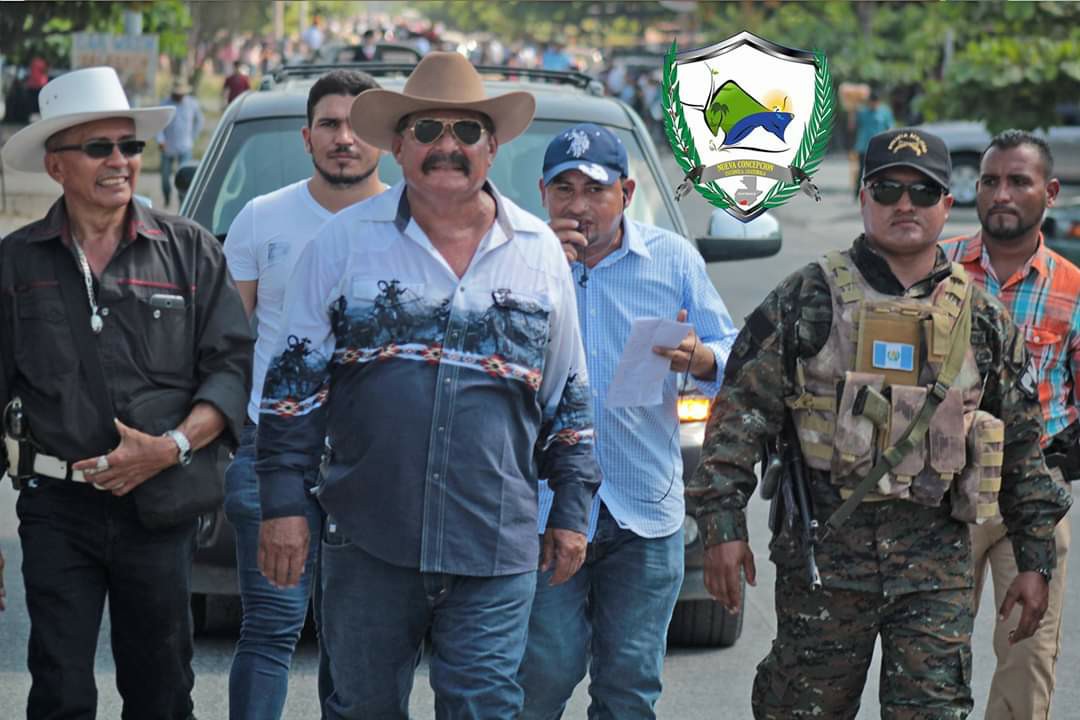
x=639, y=377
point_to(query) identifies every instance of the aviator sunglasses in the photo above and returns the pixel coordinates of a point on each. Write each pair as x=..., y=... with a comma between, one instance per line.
x=428, y=130
x=922, y=194
x=99, y=149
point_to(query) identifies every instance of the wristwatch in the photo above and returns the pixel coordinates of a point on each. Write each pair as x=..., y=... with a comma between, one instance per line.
x=182, y=443
x=1046, y=574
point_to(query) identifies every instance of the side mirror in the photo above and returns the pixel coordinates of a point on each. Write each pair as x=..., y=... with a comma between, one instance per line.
x=184, y=176
x=1049, y=227
x=732, y=239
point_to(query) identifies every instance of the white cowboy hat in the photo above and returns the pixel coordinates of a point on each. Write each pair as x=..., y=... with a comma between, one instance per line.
x=441, y=81
x=75, y=98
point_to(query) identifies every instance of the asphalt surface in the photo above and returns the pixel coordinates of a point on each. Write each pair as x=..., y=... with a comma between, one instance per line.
x=697, y=683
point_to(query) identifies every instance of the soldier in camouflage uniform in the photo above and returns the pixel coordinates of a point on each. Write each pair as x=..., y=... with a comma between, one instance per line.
x=900, y=569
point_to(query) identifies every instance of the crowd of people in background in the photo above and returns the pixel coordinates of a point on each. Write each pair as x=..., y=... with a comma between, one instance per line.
x=244, y=58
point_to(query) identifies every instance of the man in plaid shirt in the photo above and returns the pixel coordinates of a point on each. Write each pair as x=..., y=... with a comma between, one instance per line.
x=1041, y=290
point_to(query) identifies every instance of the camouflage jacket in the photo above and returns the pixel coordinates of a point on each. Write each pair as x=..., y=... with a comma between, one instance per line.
x=892, y=547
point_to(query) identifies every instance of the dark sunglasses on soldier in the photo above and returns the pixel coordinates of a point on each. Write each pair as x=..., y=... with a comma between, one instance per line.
x=922, y=194
x=428, y=130
x=99, y=149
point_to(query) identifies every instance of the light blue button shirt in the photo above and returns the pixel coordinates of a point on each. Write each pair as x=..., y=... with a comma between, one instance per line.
x=654, y=273
x=180, y=134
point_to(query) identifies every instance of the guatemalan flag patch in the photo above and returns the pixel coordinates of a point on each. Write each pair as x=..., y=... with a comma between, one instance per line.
x=894, y=356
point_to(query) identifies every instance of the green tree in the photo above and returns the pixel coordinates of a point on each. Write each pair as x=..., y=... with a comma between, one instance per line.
x=44, y=28
x=41, y=28
x=1014, y=65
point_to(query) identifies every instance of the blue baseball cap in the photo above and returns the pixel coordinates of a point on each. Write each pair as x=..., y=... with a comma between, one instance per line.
x=594, y=150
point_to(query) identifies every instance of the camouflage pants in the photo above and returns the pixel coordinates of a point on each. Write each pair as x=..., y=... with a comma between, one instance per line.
x=825, y=641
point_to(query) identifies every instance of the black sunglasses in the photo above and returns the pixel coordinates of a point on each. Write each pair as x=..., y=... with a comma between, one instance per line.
x=99, y=149
x=889, y=192
x=428, y=130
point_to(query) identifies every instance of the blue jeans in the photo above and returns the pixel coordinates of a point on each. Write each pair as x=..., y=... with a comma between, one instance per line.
x=170, y=163
x=272, y=617
x=376, y=616
x=612, y=615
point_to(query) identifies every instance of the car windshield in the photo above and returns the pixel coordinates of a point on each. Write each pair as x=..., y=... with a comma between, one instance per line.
x=264, y=155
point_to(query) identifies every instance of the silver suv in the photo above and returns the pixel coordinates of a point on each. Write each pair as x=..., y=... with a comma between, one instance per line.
x=966, y=141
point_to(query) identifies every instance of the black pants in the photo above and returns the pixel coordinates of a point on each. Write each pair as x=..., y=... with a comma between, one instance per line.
x=81, y=546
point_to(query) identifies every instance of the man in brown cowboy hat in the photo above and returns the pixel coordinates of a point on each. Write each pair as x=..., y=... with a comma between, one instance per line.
x=124, y=352
x=444, y=320
x=177, y=139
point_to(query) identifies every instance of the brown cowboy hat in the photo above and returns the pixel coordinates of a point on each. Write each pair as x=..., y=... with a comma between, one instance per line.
x=441, y=81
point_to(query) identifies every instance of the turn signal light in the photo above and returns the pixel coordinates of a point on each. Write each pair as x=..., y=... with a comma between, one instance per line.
x=693, y=408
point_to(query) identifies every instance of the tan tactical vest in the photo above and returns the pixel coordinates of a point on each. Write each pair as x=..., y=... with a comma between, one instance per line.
x=858, y=395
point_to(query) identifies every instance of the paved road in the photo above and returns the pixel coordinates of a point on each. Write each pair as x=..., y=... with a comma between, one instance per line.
x=699, y=684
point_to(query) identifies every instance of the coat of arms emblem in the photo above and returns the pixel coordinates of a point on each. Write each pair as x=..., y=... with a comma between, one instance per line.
x=748, y=120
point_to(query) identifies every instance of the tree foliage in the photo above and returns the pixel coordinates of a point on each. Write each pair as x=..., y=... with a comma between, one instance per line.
x=40, y=28
x=1008, y=64
x=44, y=28
x=1015, y=65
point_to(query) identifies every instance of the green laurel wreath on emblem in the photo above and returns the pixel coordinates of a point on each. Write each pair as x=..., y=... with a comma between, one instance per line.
x=678, y=133
x=807, y=158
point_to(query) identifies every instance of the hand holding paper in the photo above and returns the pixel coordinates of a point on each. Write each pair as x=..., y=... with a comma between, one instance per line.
x=691, y=355
x=639, y=377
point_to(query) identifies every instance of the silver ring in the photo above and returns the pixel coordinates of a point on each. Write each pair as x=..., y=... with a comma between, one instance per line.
x=102, y=464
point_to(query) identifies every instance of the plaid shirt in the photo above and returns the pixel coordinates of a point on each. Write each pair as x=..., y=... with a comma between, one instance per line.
x=1043, y=298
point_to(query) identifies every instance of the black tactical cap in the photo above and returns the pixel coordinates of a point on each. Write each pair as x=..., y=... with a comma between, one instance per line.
x=909, y=147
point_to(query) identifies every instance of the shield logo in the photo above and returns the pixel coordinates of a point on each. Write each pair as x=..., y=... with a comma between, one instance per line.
x=748, y=121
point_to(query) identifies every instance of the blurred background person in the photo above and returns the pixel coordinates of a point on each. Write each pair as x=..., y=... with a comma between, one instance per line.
x=237, y=83
x=872, y=118
x=177, y=140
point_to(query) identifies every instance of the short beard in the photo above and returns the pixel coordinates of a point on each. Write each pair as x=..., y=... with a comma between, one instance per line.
x=1007, y=233
x=343, y=181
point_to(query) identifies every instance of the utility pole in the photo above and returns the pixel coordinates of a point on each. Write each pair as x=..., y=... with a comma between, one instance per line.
x=279, y=22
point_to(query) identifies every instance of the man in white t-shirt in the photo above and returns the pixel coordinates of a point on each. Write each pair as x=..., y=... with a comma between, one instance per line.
x=261, y=248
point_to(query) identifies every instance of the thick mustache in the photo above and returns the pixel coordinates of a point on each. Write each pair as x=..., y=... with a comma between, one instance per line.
x=455, y=160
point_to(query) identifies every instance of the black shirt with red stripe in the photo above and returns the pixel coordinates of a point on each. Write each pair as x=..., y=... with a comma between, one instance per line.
x=172, y=320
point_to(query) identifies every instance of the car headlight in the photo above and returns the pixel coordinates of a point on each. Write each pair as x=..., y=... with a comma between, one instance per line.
x=690, y=531
x=693, y=408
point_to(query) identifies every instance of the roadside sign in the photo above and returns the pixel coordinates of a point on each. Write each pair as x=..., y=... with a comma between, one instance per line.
x=134, y=57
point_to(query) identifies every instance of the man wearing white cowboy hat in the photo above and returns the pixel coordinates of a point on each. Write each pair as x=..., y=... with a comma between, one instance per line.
x=434, y=344
x=124, y=351
x=177, y=139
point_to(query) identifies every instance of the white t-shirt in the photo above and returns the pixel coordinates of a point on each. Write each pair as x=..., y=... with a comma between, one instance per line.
x=263, y=244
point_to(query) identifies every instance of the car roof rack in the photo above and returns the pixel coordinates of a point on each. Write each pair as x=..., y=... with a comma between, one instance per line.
x=385, y=69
